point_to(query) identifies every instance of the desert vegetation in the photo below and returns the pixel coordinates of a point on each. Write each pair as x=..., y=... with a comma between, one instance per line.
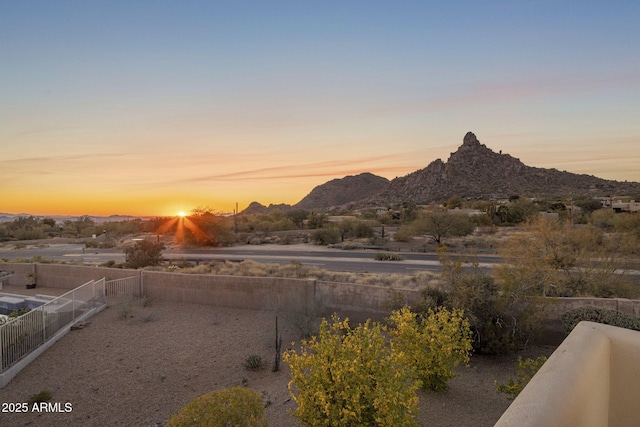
x=599, y=315
x=297, y=270
x=527, y=368
x=463, y=309
x=237, y=406
x=457, y=222
x=369, y=374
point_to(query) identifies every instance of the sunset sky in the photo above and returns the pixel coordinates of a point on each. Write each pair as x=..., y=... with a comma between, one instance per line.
x=155, y=107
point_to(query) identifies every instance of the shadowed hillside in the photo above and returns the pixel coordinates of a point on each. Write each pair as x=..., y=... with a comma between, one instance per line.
x=473, y=171
x=342, y=191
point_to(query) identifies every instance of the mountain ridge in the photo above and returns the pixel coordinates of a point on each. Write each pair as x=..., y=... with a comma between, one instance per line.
x=476, y=171
x=472, y=171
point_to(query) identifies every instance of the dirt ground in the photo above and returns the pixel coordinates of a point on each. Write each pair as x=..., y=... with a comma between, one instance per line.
x=140, y=361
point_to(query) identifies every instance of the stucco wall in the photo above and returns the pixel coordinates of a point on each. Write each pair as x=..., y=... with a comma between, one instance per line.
x=359, y=302
x=62, y=276
x=590, y=380
x=254, y=293
x=20, y=273
x=309, y=297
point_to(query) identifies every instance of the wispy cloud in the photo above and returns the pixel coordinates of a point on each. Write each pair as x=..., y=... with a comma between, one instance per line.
x=334, y=168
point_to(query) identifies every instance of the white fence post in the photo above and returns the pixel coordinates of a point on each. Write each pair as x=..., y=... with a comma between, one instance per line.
x=44, y=325
x=1, y=346
x=22, y=336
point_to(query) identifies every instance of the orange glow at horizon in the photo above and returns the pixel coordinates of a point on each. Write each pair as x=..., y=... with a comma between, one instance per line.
x=181, y=222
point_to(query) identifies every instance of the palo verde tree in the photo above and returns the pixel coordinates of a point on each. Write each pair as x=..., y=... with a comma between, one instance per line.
x=348, y=377
x=437, y=225
x=554, y=258
x=368, y=375
x=432, y=345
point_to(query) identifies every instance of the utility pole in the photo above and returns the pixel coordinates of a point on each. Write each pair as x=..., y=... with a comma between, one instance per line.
x=235, y=219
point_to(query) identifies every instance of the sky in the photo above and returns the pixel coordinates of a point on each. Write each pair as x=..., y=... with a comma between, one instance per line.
x=154, y=107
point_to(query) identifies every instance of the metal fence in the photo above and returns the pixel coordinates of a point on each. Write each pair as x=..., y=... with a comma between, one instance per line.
x=21, y=336
x=125, y=286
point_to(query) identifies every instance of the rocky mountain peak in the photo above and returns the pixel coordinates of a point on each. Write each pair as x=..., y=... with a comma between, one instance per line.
x=470, y=139
x=473, y=171
x=471, y=144
x=476, y=171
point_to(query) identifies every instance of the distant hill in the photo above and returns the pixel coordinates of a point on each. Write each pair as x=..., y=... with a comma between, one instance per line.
x=476, y=171
x=258, y=208
x=341, y=191
x=7, y=217
x=472, y=171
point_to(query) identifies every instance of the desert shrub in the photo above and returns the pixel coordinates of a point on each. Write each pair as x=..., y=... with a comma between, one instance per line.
x=416, y=280
x=432, y=345
x=431, y=298
x=599, y=315
x=182, y=263
x=125, y=308
x=238, y=407
x=349, y=377
x=295, y=269
x=404, y=234
x=501, y=321
x=253, y=362
x=144, y=253
x=603, y=219
x=395, y=300
x=357, y=229
x=298, y=270
x=325, y=236
x=109, y=264
x=527, y=368
x=41, y=396
x=387, y=256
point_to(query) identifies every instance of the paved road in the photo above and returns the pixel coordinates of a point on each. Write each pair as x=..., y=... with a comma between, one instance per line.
x=322, y=257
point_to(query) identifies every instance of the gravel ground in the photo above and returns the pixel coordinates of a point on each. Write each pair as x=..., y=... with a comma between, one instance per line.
x=139, y=361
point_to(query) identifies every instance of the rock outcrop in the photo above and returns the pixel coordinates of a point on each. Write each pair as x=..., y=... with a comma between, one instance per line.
x=475, y=171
